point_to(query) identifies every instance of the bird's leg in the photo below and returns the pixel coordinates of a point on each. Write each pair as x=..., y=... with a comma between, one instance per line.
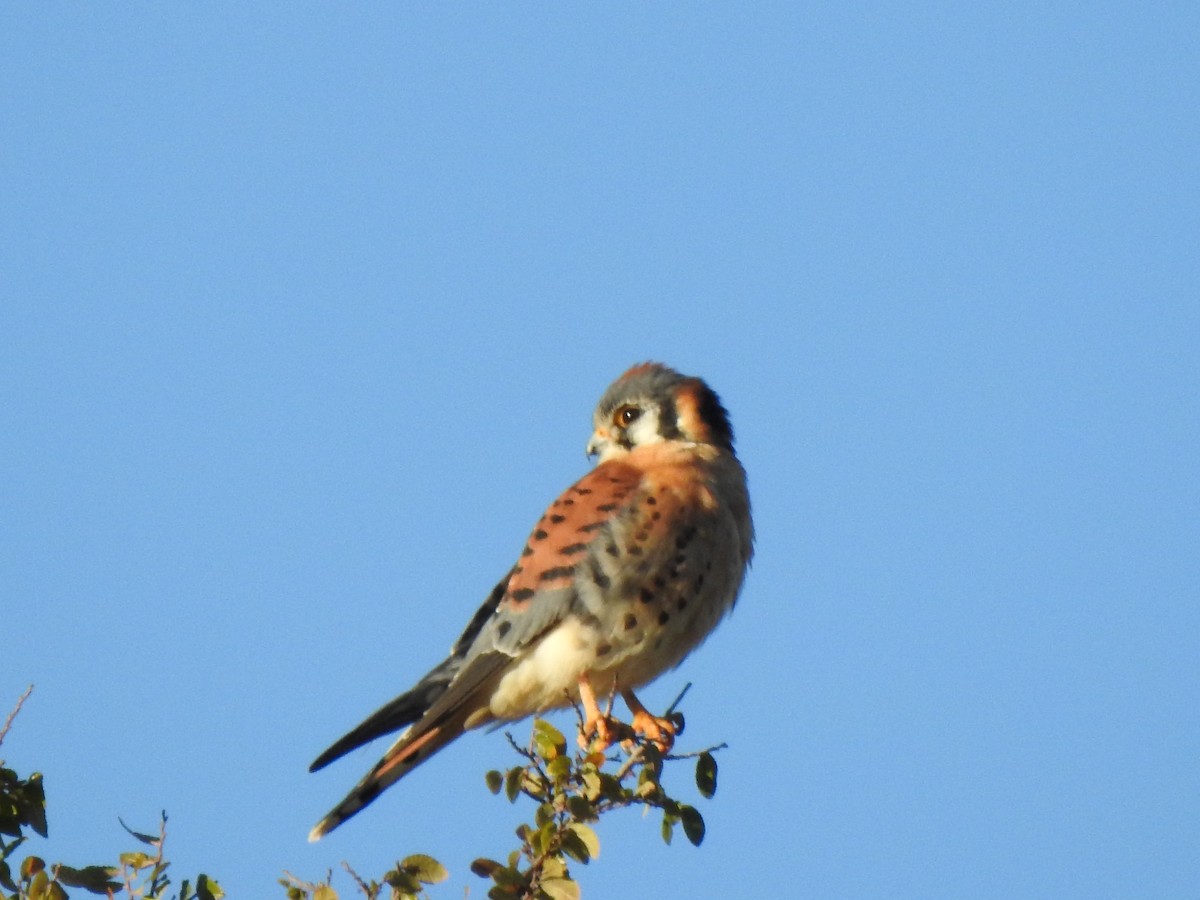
x=660, y=732
x=599, y=727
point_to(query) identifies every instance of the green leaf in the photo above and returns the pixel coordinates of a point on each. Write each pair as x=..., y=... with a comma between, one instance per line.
x=207, y=889
x=587, y=836
x=647, y=789
x=610, y=787
x=494, y=781
x=484, y=867
x=56, y=892
x=693, y=824
x=151, y=839
x=427, y=869
x=6, y=876
x=668, y=827
x=560, y=889
x=97, y=879
x=591, y=785
x=510, y=877
x=512, y=784
x=533, y=784
x=324, y=892
x=136, y=859
x=553, y=867
x=31, y=802
x=574, y=847
x=31, y=866
x=39, y=888
x=653, y=758
x=402, y=881
x=580, y=808
x=548, y=740
x=559, y=768
x=540, y=840
x=706, y=775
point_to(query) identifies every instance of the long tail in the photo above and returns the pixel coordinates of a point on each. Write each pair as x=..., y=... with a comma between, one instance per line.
x=451, y=699
x=415, y=746
x=394, y=715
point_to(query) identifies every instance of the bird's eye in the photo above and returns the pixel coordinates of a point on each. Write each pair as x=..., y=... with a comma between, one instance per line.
x=626, y=415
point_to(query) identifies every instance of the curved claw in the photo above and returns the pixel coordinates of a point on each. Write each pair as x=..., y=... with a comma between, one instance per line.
x=599, y=730
x=658, y=730
x=602, y=732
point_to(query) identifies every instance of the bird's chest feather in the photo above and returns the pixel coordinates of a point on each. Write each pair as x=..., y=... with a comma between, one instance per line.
x=654, y=583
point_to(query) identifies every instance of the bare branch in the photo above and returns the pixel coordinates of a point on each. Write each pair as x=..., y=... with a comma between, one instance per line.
x=12, y=715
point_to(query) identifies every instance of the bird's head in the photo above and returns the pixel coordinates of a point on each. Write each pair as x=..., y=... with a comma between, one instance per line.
x=652, y=403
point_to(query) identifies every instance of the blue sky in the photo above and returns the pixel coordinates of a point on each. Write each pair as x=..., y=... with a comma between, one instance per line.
x=304, y=312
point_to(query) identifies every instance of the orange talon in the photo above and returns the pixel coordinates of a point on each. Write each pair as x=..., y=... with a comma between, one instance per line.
x=659, y=731
x=599, y=730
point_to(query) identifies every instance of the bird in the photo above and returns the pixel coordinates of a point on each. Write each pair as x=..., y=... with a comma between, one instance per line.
x=626, y=573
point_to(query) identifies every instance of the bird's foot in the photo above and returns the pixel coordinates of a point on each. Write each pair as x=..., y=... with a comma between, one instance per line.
x=657, y=730
x=602, y=731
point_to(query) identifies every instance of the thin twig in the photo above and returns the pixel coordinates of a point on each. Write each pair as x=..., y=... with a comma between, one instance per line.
x=362, y=885
x=694, y=753
x=626, y=767
x=12, y=715
x=612, y=698
x=308, y=885
x=524, y=751
x=674, y=703
x=578, y=710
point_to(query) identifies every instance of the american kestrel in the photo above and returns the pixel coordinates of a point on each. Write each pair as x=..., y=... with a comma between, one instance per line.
x=626, y=573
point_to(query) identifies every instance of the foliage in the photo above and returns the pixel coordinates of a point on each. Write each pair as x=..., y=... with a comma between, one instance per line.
x=139, y=875
x=570, y=792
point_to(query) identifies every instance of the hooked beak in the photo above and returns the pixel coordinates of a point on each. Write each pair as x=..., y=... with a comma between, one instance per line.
x=598, y=443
